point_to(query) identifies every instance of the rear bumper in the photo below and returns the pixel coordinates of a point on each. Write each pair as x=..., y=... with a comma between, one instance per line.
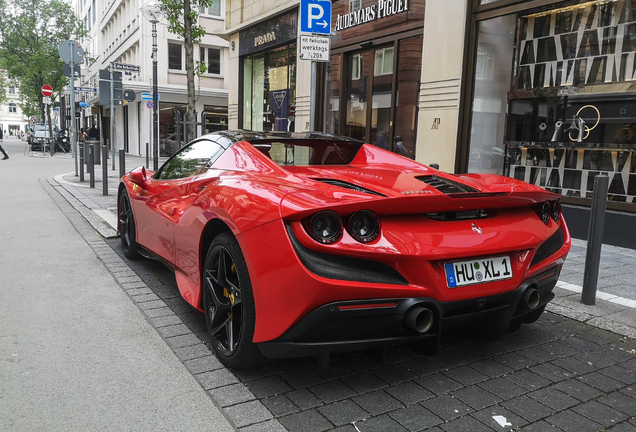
x=356, y=325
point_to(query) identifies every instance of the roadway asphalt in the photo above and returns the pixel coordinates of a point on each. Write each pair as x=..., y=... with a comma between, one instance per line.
x=574, y=370
x=75, y=352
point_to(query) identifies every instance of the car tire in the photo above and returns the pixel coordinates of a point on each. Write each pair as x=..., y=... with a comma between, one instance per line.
x=127, y=231
x=230, y=314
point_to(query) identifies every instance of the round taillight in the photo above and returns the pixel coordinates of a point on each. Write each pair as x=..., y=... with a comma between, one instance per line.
x=363, y=226
x=545, y=212
x=324, y=227
x=556, y=210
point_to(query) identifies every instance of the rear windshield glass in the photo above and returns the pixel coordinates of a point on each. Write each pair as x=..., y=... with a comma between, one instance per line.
x=308, y=152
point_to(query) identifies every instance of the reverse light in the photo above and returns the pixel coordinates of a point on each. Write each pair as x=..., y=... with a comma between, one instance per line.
x=324, y=227
x=363, y=226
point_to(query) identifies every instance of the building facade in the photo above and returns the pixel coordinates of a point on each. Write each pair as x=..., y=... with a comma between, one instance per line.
x=12, y=120
x=118, y=33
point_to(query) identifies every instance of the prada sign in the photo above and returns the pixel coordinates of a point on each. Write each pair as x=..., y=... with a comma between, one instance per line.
x=269, y=34
x=384, y=9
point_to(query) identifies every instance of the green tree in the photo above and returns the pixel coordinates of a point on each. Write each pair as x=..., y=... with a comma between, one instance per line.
x=30, y=34
x=183, y=20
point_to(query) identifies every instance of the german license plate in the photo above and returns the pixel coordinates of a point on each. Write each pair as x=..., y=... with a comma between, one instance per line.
x=477, y=271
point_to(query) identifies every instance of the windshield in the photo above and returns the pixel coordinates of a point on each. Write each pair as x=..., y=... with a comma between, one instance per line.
x=307, y=151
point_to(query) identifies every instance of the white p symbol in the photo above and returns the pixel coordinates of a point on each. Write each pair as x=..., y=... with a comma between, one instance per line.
x=314, y=16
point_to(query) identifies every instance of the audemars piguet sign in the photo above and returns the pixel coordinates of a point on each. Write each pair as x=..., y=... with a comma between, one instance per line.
x=384, y=8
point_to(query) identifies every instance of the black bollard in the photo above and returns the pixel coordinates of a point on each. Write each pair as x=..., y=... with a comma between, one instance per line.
x=147, y=155
x=105, y=169
x=594, y=240
x=81, y=162
x=122, y=162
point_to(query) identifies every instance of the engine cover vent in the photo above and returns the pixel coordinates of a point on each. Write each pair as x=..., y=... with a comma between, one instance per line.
x=445, y=185
x=351, y=186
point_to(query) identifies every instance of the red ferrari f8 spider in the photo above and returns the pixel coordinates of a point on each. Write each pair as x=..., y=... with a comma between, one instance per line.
x=298, y=244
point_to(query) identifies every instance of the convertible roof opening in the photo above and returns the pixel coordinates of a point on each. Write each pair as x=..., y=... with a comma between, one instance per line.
x=308, y=152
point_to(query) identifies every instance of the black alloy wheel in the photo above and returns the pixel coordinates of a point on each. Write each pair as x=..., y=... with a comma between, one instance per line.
x=229, y=304
x=127, y=232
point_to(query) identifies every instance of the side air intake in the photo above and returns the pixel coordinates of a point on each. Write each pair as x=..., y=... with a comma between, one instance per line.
x=344, y=268
x=351, y=186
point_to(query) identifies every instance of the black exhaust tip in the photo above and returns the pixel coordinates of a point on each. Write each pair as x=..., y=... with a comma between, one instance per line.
x=419, y=319
x=532, y=298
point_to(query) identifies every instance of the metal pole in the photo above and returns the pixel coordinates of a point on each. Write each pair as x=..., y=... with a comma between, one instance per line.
x=155, y=118
x=122, y=162
x=312, y=106
x=112, y=113
x=147, y=155
x=91, y=164
x=594, y=240
x=105, y=169
x=73, y=135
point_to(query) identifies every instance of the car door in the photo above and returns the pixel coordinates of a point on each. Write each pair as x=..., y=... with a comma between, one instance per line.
x=167, y=194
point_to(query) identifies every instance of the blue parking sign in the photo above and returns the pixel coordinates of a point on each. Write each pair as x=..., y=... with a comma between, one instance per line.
x=315, y=16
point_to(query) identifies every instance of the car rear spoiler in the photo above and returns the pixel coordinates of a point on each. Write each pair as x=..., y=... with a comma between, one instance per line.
x=301, y=204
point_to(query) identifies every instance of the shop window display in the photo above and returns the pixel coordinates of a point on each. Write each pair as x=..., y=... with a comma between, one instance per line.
x=570, y=99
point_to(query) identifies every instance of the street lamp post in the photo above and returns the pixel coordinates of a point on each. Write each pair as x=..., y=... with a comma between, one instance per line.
x=152, y=12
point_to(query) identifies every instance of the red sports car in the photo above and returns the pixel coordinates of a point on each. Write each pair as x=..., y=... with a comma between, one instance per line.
x=298, y=244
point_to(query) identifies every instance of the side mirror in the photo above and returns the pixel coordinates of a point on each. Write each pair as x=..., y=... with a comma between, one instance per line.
x=138, y=176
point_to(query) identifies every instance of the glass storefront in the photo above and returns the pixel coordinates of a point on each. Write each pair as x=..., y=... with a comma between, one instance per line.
x=269, y=89
x=554, y=98
x=379, y=95
x=372, y=86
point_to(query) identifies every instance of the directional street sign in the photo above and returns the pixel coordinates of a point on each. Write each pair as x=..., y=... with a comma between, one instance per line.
x=83, y=104
x=85, y=89
x=126, y=67
x=148, y=96
x=315, y=16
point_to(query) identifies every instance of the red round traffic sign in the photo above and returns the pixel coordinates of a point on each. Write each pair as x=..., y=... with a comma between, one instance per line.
x=47, y=90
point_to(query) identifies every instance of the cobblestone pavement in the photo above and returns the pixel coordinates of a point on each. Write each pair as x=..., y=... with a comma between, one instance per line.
x=557, y=374
x=567, y=372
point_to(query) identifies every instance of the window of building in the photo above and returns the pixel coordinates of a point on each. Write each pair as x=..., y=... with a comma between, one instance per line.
x=355, y=5
x=175, y=56
x=212, y=59
x=356, y=66
x=13, y=108
x=383, y=61
x=11, y=90
x=213, y=10
x=485, y=65
x=93, y=17
x=89, y=21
